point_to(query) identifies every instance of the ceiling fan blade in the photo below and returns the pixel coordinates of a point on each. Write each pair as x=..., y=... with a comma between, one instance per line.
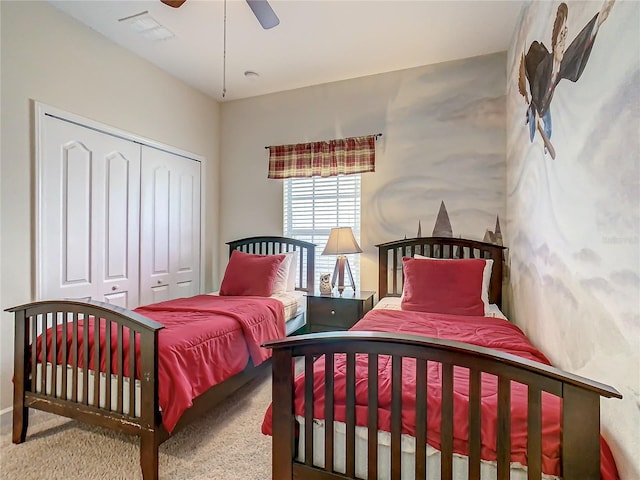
x=264, y=13
x=173, y=3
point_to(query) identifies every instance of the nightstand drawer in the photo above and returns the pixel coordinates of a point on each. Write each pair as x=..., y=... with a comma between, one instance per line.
x=325, y=314
x=335, y=313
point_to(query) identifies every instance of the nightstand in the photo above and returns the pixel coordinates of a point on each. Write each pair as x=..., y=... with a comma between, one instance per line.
x=325, y=313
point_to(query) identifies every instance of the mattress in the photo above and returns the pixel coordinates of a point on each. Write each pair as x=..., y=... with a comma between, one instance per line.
x=294, y=302
x=393, y=303
x=90, y=390
x=488, y=470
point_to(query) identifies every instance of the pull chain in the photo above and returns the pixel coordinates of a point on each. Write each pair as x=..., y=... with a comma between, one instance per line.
x=224, y=53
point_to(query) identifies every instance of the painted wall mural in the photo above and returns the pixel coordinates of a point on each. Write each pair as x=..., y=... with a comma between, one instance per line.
x=444, y=143
x=543, y=69
x=573, y=226
x=442, y=228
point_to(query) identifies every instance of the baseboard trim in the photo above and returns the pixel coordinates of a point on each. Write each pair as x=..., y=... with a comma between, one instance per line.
x=5, y=417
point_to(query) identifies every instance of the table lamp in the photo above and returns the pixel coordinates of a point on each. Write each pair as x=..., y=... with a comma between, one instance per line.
x=341, y=242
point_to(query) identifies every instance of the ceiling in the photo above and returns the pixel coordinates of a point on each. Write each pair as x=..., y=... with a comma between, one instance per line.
x=317, y=41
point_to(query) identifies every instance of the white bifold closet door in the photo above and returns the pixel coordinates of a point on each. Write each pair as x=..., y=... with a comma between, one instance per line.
x=170, y=226
x=118, y=220
x=88, y=214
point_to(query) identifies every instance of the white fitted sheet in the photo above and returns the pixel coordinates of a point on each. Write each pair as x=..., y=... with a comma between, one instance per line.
x=91, y=377
x=488, y=470
x=295, y=302
x=393, y=303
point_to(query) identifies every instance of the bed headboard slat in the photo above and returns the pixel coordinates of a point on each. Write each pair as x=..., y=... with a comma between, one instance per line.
x=390, y=260
x=271, y=245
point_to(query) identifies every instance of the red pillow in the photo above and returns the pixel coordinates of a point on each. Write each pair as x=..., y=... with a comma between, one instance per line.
x=453, y=287
x=249, y=274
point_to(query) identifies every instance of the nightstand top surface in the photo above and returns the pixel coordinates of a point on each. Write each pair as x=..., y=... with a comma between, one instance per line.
x=348, y=294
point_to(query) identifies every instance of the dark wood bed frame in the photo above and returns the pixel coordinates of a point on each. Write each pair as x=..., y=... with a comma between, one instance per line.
x=580, y=442
x=32, y=320
x=306, y=268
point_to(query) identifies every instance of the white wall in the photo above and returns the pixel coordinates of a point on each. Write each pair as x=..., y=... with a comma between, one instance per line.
x=573, y=227
x=4, y=337
x=443, y=138
x=49, y=57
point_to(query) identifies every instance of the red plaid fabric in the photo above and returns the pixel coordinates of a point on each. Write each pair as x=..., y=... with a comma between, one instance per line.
x=325, y=159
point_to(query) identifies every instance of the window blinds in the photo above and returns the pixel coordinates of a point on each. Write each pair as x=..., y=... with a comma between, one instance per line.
x=314, y=205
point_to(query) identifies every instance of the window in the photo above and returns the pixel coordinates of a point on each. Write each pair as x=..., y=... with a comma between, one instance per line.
x=314, y=205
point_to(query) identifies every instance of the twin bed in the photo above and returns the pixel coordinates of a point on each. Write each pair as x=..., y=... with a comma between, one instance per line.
x=76, y=358
x=404, y=397
x=432, y=385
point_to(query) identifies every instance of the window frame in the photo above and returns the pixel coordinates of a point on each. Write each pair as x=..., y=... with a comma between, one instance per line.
x=340, y=199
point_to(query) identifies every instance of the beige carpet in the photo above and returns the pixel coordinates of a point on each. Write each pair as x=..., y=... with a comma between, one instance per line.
x=227, y=444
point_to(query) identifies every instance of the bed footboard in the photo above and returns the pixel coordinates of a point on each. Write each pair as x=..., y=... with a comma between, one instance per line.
x=580, y=397
x=90, y=361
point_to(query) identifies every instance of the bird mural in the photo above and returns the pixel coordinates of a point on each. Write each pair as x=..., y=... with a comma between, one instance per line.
x=542, y=69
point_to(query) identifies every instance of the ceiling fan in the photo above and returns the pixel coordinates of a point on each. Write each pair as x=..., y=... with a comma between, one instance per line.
x=260, y=8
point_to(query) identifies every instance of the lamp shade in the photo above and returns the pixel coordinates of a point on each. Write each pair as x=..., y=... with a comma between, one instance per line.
x=341, y=242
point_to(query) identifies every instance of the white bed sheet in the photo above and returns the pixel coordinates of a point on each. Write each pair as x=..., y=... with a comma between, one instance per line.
x=91, y=378
x=294, y=301
x=488, y=470
x=393, y=303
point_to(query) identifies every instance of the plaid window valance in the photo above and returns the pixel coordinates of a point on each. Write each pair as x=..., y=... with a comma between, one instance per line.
x=325, y=159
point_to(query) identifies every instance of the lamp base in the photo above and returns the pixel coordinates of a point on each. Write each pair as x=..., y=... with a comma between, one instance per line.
x=342, y=263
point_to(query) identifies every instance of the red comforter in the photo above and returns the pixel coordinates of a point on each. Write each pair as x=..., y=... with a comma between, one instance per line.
x=488, y=332
x=206, y=340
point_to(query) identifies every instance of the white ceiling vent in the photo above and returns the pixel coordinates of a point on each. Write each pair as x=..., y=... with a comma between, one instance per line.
x=145, y=25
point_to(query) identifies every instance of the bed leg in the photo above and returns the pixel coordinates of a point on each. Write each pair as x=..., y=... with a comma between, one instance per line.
x=282, y=421
x=149, y=455
x=20, y=423
x=20, y=378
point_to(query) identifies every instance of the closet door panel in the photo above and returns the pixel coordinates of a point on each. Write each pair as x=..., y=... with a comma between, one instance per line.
x=94, y=240
x=75, y=217
x=188, y=231
x=121, y=237
x=186, y=289
x=120, y=299
x=116, y=251
x=159, y=293
x=170, y=226
x=160, y=241
x=155, y=239
x=66, y=247
x=88, y=195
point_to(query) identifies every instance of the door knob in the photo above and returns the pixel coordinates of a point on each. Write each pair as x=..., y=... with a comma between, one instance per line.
x=114, y=288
